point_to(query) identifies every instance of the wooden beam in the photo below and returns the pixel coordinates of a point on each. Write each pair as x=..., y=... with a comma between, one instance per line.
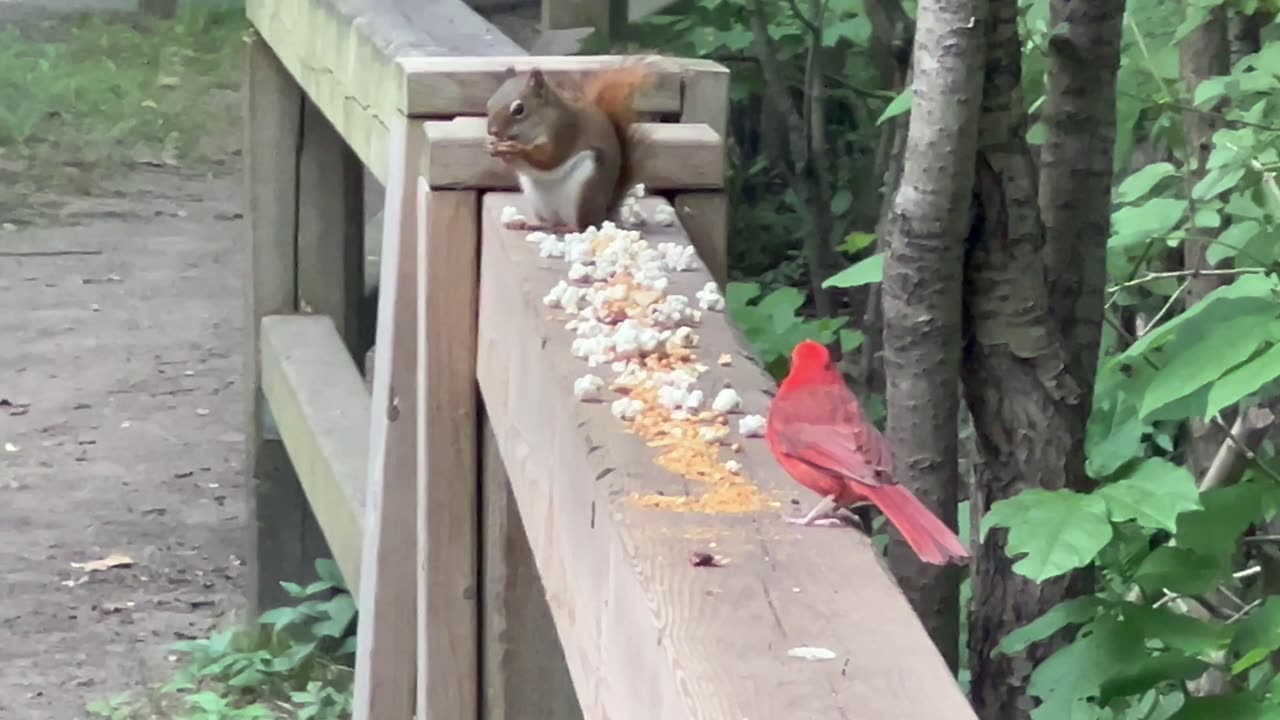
x=286, y=540
x=321, y=407
x=445, y=87
x=705, y=216
x=343, y=53
x=385, y=650
x=524, y=673
x=646, y=634
x=668, y=156
x=706, y=96
x=330, y=228
x=447, y=475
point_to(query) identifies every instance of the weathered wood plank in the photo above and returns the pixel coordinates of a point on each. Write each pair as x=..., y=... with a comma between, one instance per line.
x=385, y=651
x=285, y=539
x=321, y=407
x=330, y=227
x=668, y=156
x=706, y=96
x=343, y=52
x=445, y=87
x=447, y=475
x=646, y=635
x=524, y=673
x=705, y=216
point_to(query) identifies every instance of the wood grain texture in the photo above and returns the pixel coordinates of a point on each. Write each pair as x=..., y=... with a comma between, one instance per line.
x=524, y=674
x=447, y=476
x=667, y=156
x=445, y=87
x=705, y=216
x=343, y=53
x=330, y=227
x=646, y=635
x=321, y=408
x=706, y=96
x=386, y=638
x=286, y=540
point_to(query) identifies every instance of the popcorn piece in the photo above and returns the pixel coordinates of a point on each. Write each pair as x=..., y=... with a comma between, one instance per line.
x=751, y=426
x=631, y=377
x=552, y=298
x=512, y=217
x=672, y=396
x=709, y=298
x=726, y=401
x=712, y=433
x=672, y=311
x=627, y=340
x=678, y=257
x=570, y=298
x=630, y=213
x=538, y=237
x=725, y=359
x=694, y=400
x=551, y=247
x=665, y=215
x=579, y=272
x=733, y=466
x=588, y=387
x=637, y=191
x=684, y=337
x=626, y=409
x=648, y=339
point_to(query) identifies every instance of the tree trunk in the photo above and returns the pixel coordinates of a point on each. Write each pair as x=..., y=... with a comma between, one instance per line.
x=1033, y=306
x=1203, y=53
x=922, y=290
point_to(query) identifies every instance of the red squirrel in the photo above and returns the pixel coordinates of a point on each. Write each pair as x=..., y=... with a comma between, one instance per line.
x=568, y=145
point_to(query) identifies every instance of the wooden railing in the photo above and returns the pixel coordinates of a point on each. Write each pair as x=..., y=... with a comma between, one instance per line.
x=487, y=522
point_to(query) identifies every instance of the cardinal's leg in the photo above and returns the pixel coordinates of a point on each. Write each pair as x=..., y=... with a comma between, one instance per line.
x=824, y=513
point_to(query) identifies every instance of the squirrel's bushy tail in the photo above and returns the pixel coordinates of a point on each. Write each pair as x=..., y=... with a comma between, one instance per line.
x=614, y=91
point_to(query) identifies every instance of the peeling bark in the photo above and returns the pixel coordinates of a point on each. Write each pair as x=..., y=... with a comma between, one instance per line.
x=922, y=284
x=1033, y=297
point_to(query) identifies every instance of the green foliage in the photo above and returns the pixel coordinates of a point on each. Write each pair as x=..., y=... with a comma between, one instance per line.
x=773, y=326
x=295, y=663
x=101, y=92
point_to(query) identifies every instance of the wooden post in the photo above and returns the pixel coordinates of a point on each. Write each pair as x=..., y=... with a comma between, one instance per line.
x=524, y=674
x=448, y=477
x=330, y=227
x=705, y=216
x=286, y=538
x=384, y=683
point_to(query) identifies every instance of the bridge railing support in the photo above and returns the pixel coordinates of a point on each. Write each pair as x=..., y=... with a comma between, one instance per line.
x=491, y=527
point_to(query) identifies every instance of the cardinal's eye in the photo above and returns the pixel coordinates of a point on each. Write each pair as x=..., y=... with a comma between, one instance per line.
x=517, y=109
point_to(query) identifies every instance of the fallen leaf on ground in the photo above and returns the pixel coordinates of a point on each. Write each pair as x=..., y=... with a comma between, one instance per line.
x=114, y=560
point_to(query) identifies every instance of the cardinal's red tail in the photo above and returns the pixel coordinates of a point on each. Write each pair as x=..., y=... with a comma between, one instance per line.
x=928, y=536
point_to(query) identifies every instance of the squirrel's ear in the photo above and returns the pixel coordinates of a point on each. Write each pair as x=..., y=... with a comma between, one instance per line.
x=537, y=82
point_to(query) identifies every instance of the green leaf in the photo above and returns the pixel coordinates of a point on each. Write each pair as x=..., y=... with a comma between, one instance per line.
x=1180, y=570
x=841, y=202
x=1153, y=494
x=1137, y=185
x=1242, y=706
x=1176, y=630
x=1227, y=512
x=856, y=241
x=851, y=340
x=1149, y=673
x=1057, y=531
x=1208, y=352
x=1243, y=380
x=341, y=610
x=1137, y=224
x=901, y=104
x=1067, y=612
x=1077, y=671
x=1114, y=433
x=328, y=571
x=1257, y=635
x=1252, y=295
x=1232, y=240
x=864, y=272
x=1216, y=181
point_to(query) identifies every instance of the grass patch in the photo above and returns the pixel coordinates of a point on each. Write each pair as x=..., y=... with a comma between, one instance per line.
x=100, y=93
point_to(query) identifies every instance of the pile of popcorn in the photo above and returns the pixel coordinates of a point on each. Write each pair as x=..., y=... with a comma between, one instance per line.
x=640, y=342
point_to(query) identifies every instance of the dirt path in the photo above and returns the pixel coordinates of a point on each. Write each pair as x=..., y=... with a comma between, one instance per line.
x=120, y=432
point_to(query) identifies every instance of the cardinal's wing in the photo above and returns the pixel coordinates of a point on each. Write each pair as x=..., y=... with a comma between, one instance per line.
x=823, y=427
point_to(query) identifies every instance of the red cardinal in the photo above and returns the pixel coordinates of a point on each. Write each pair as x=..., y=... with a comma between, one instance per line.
x=817, y=432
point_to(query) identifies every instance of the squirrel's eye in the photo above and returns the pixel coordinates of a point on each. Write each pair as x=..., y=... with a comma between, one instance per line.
x=517, y=109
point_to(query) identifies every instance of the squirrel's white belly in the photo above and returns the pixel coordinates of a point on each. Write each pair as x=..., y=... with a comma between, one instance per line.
x=555, y=195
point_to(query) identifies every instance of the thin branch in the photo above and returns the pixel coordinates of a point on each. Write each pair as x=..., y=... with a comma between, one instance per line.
x=1204, y=272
